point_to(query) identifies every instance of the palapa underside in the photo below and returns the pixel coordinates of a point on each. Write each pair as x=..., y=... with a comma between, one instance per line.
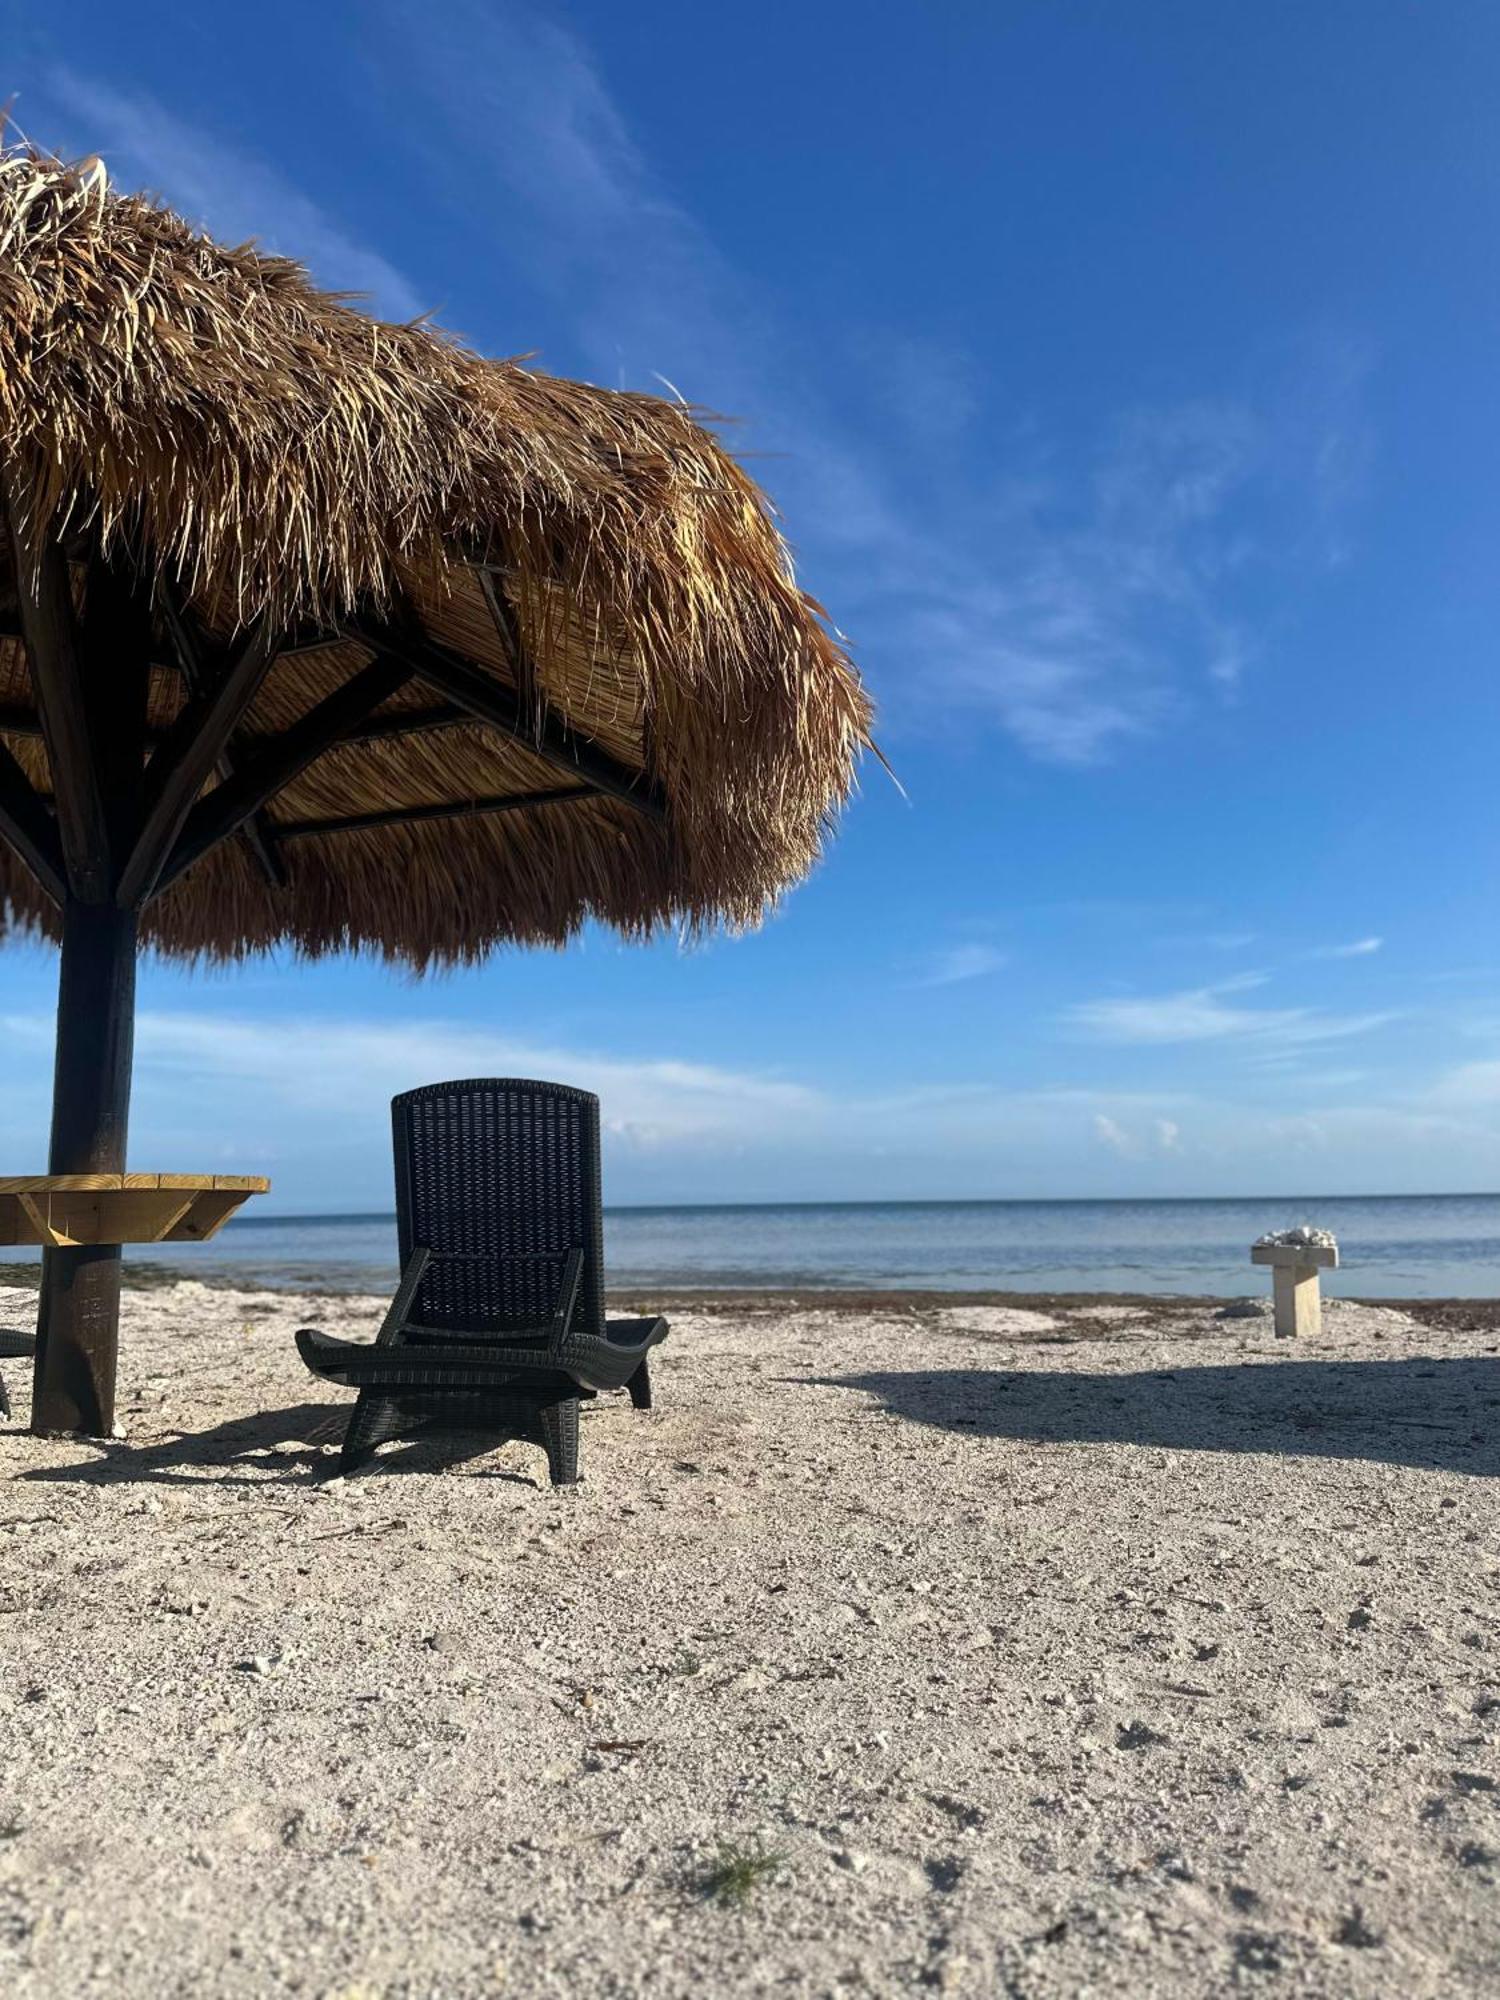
x=670, y=710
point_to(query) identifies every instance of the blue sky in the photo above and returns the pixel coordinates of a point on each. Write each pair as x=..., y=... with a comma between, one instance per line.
x=1126, y=379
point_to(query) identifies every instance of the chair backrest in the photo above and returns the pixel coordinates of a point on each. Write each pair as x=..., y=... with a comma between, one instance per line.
x=502, y=1175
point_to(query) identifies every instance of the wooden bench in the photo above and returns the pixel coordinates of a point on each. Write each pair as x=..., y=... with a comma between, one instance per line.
x=62, y=1211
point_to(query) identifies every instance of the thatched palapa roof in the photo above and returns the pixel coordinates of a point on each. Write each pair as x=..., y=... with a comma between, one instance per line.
x=475, y=585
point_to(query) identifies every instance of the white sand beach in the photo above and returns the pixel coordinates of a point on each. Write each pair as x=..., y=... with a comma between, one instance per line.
x=1116, y=1650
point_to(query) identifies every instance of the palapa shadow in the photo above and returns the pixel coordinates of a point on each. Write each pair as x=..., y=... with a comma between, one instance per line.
x=1442, y=1413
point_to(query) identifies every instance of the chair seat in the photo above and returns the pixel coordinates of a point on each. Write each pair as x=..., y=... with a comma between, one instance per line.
x=635, y=1333
x=619, y=1332
x=364, y=1362
x=453, y=1362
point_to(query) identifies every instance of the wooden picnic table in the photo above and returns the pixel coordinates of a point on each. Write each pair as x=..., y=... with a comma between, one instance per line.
x=62, y=1211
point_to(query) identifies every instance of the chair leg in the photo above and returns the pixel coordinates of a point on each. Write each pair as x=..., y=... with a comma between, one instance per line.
x=639, y=1385
x=375, y=1419
x=558, y=1423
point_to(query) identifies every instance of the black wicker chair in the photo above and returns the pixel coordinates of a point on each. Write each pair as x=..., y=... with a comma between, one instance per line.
x=498, y=1322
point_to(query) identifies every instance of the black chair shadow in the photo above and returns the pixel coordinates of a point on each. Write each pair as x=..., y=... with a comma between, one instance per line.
x=443, y=1448
x=15, y=1342
x=1439, y=1413
x=168, y=1464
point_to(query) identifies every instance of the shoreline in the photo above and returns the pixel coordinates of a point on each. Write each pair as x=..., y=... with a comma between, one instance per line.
x=1453, y=1312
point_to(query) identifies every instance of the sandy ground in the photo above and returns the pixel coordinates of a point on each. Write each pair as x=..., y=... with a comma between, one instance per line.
x=1042, y=1652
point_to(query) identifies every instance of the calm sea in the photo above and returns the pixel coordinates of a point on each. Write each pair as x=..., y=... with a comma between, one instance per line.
x=1396, y=1246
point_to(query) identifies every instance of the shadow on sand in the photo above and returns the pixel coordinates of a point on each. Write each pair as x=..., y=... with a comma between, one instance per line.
x=1431, y=1412
x=183, y=1459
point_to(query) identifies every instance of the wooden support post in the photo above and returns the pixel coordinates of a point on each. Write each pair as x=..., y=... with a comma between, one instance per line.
x=78, y=1324
x=96, y=681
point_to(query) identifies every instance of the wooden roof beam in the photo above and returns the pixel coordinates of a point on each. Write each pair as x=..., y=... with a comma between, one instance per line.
x=504, y=802
x=194, y=745
x=255, y=832
x=407, y=722
x=261, y=777
x=27, y=826
x=508, y=626
x=545, y=734
x=402, y=722
x=19, y=722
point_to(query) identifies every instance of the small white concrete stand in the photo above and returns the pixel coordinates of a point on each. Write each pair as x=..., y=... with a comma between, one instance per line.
x=1294, y=1283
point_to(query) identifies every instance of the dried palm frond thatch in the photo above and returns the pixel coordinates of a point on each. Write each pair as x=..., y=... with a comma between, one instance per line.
x=596, y=609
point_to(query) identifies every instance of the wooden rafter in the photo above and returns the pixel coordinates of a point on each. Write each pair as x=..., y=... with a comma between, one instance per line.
x=255, y=832
x=545, y=734
x=28, y=827
x=20, y=722
x=408, y=722
x=26, y=722
x=508, y=626
x=505, y=802
x=194, y=745
x=374, y=729
x=282, y=757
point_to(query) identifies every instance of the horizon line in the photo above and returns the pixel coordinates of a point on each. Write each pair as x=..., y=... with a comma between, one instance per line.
x=908, y=1201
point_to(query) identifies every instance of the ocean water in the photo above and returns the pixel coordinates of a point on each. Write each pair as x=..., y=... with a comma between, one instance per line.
x=1391, y=1246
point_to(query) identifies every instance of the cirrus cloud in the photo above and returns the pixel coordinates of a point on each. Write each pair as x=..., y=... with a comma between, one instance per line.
x=1212, y=1014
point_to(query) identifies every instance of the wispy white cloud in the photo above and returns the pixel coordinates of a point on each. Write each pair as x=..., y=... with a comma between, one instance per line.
x=962, y=962
x=651, y=1101
x=1094, y=604
x=1360, y=948
x=235, y=193
x=1211, y=1014
x=1158, y=1136
x=304, y=1100
x=1037, y=656
x=1073, y=606
x=1468, y=1086
x=1110, y=1133
x=1076, y=608
x=930, y=389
